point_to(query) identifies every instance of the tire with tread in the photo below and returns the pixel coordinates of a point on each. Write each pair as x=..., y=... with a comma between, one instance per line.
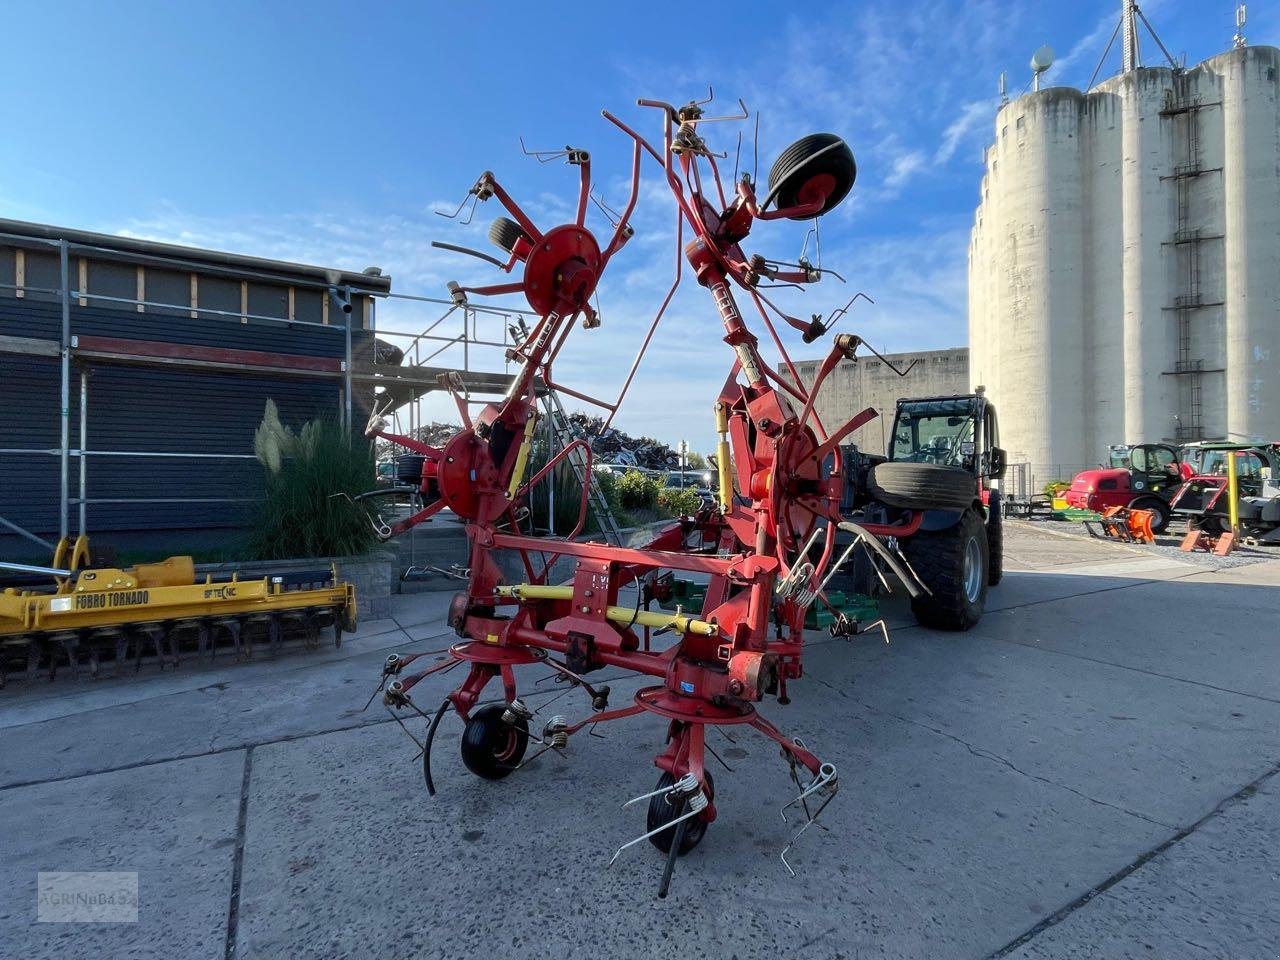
x=797, y=164
x=661, y=811
x=922, y=486
x=491, y=747
x=1161, y=509
x=938, y=558
x=504, y=232
x=995, y=541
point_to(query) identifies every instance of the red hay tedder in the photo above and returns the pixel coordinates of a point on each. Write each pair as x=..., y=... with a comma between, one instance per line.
x=767, y=546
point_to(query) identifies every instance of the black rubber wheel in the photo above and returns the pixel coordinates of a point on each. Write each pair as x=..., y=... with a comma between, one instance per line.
x=953, y=564
x=662, y=811
x=995, y=540
x=1209, y=524
x=922, y=486
x=491, y=747
x=817, y=155
x=504, y=232
x=1161, y=509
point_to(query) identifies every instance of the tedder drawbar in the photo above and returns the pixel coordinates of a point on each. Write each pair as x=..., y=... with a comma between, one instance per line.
x=767, y=547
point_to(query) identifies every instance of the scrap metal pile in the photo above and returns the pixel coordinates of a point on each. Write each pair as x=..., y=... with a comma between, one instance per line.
x=767, y=548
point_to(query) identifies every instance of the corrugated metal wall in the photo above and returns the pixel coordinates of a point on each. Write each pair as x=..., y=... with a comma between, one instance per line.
x=162, y=409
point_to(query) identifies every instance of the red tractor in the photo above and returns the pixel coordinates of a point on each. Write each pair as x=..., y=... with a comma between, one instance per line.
x=1143, y=476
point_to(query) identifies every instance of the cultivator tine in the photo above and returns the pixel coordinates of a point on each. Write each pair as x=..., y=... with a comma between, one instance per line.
x=824, y=784
x=204, y=636
x=233, y=627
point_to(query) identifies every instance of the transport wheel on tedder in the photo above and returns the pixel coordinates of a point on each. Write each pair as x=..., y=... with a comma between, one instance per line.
x=952, y=563
x=492, y=747
x=661, y=811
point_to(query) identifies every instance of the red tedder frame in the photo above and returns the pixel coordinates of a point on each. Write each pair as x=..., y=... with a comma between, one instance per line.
x=766, y=549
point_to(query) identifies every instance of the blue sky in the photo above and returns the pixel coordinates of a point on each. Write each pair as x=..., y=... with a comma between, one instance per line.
x=330, y=133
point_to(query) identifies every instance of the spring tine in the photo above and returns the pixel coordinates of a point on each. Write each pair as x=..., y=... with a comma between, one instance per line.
x=691, y=812
x=810, y=822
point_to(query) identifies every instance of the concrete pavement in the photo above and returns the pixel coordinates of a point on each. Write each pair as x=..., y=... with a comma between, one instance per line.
x=1090, y=772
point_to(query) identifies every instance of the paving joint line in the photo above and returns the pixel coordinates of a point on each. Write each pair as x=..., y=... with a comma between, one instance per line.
x=1055, y=918
x=273, y=741
x=237, y=870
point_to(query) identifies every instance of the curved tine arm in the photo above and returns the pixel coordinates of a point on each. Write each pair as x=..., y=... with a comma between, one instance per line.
x=885, y=554
x=829, y=364
x=865, y=417
x=584, y=189
x=514, y=209
x=660, y=104
x=621, y=228
x=715, y=172
x=454, y=248
x=635, y=364
x=786, y=357
x=672, y=180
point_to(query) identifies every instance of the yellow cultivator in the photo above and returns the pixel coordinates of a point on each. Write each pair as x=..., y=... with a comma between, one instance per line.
x=162, y=607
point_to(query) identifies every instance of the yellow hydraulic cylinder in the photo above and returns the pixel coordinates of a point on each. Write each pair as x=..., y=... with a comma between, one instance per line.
x=645, y=618
x=722, y=456
x=1233, y=492
x=522, y=457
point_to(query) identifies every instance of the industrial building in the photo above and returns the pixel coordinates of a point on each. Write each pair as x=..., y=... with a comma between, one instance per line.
x=133, y=375
x=852, y=387
x=1124, y=265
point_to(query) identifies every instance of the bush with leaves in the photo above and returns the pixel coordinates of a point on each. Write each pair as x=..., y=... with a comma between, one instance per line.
x=299, y=515
x=679, y=503
x=638, y=491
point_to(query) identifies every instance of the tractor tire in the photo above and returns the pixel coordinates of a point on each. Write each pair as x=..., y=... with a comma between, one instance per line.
x=953, y=564
x=922, y=486
x=801, y=162
x=995, y=543
x=491, y=747
x=1163, y=514
x=661, y=811
x=505, y=232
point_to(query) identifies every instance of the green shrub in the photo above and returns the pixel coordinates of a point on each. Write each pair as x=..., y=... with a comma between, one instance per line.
x=638, y=491
x=679, y=503
x=299, y=515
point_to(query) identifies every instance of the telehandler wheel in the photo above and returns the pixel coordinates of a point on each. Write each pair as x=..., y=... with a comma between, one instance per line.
x=1160, y=522
x=953, y=565
x=995, y=541
x=491, y=747
x=922, y=486
x=505, y=232
x=663, y=811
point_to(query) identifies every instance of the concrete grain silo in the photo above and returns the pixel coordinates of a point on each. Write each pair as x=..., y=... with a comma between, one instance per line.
x=1124, y=264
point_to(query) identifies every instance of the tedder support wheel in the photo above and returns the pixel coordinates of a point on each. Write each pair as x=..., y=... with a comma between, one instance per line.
x=504, y=232
x=995, y=541
x=491, y=747
x=953, y=565
x=1160, y=522
x=922, y=486
x=816, y=164
x=663, y=811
